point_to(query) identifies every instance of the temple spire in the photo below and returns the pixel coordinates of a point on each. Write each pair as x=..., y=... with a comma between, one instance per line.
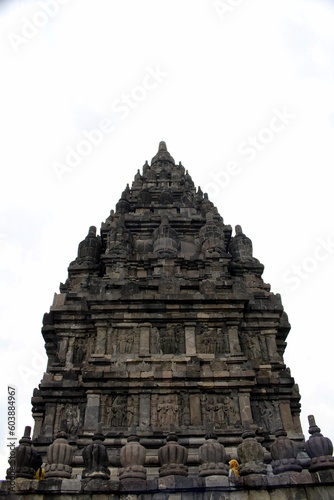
x=162, y=157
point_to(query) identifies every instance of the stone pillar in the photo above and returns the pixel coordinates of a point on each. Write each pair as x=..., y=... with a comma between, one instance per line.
x=92, y=411
x=195, y=409
x=101, y=337
x=38, y=418
x=233, y=338
x=49, y=419
x=190, y=339
x=144, y=410
x=272, y=346
x=144, y=343
x=62, y=349
x=69, y=353
x=286, y=417
x=245, y=408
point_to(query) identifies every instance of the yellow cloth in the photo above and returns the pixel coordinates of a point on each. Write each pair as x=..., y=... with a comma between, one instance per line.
x=40, y=473
x=234, y=466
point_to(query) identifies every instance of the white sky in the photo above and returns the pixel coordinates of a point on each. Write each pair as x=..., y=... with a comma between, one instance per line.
x=224, y=71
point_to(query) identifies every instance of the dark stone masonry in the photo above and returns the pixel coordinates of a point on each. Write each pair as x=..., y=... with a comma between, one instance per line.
x=165, y=361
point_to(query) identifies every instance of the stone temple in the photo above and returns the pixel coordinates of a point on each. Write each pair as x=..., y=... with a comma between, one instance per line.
x=166, y=360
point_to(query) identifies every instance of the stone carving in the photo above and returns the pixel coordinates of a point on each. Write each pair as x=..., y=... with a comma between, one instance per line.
x=150, y=175
x=184, y=409
x=95, y=458
x=319, y=448
x=251, y=455
x=117, y=413
x=168, y=411
x=166, y=198
x=138, y=181
x=173, y=458
x=72, y=417
x=218, y=410
x=212, y=457
x=120, y=239
x=132, y=458
x=145, y=197
x=211, y=237
x=207, y=206
x=132, y=411
x=168, y=339
x=25, y=456
x=148, y=332
x=284, y=452
x=125, y=342
x=267, y=415
x=59, y=457
x=241, y=249
x=162, y=157
x=166, y=242
x=187, y=199
x=212, y=340
x=90, y=248
x=169, y=286
x=255, y=347
x=68, y=418
x=79, y=352
x=207, y=287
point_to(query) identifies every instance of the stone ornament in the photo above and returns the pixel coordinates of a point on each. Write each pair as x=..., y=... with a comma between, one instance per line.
x=173, y=458
x=284, y=452
x=319, y=448
x=95, y=458
x=25, y=456
x=251, y=455
x=132, y=458
x=59, y=457
x=212, y=456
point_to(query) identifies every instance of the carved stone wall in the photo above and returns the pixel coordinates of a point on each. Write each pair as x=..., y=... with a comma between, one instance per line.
x=164, y=321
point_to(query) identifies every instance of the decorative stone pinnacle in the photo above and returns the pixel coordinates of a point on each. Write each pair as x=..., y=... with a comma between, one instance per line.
x=313, y=429
x=26, y=439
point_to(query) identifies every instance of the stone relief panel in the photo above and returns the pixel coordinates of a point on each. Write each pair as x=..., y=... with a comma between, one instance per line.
x=212, y=340
x=122, y=341
x=219, y=410
x=254, y=347
x=80, y=352
x=267, y=415
x=120, y=410
x=168, y=339
x=69, y=416
x=165, y=410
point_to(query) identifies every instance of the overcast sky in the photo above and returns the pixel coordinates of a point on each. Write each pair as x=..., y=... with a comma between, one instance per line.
x=242, y=93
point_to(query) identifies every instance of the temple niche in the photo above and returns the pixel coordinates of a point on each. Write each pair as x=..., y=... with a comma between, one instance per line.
x=165, y=327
